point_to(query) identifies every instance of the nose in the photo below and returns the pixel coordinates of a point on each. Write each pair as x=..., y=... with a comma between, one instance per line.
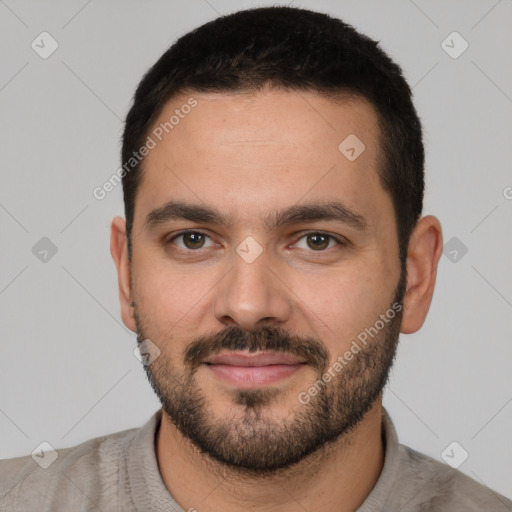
x=252, y=295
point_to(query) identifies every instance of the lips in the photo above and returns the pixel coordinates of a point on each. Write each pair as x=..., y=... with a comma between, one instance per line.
x=253, y=370
x=254, y=359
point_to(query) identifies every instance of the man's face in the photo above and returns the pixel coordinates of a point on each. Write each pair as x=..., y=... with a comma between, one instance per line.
x=263, y=279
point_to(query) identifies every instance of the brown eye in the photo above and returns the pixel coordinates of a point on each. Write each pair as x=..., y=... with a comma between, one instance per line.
x=318, y=242
x=193, y=240
x=190, y=240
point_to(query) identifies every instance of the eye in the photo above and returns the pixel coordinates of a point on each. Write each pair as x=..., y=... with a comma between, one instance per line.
x=318, y=241
x=191, y=240
x=195, y=240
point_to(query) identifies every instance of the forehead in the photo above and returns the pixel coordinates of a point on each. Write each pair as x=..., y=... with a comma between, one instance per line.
x=248, y=150
x=274, y=116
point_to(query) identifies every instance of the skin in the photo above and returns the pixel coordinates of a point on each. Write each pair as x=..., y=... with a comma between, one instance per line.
x=247, y=154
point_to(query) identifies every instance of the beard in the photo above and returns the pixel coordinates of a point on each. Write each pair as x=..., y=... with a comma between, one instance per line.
x=249, y=440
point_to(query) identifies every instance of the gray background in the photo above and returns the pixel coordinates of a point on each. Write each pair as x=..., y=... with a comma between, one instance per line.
x=67, y=369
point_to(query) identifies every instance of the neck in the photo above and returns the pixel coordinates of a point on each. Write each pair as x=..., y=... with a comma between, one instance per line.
x=337, y=477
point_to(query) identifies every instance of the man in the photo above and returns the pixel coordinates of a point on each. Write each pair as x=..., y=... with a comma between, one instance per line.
x=272, y=252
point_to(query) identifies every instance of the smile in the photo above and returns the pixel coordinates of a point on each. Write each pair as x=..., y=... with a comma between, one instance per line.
x=252, y=370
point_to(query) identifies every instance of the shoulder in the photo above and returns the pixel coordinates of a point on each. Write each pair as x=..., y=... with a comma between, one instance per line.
x=435, y=486
x=89, y=468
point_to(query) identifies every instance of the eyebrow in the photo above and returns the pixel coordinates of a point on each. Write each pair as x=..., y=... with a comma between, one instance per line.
x=312, y=212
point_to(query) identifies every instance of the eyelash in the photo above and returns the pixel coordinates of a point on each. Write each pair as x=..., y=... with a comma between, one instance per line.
x=340, y=242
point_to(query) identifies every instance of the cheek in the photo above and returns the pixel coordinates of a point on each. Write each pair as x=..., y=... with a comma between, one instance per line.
x=172, y=300
x=341, y=307
x=163, y=311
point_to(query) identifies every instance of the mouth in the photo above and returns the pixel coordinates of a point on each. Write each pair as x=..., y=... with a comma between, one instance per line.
x=253, y=370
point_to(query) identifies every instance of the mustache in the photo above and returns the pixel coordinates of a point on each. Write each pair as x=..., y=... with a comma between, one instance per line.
x=265, y=339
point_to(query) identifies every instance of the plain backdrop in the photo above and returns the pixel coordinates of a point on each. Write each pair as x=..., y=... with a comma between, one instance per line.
x=67, y=369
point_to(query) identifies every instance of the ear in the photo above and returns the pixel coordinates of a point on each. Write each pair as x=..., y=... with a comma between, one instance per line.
x=119, y=251
x=423, y=254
